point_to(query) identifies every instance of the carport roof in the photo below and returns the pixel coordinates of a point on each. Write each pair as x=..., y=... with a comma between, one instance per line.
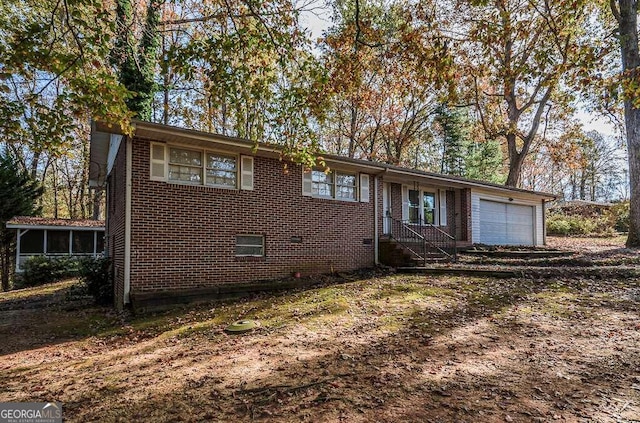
x=31, y=222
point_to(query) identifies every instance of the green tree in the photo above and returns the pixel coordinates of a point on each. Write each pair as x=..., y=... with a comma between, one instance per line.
x=136, y=61
x=19, y=195
x=455, y=139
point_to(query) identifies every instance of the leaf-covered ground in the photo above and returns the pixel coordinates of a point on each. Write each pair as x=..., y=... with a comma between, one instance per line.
x=391, y=348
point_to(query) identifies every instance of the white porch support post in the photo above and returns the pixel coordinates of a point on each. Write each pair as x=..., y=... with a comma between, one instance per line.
x=127, y=222
x=95, y=243
x=70, y=243
x=18, y=235
x=376, y=216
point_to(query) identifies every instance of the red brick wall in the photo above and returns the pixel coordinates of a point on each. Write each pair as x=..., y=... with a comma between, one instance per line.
x=115, y=222
x=184, y=236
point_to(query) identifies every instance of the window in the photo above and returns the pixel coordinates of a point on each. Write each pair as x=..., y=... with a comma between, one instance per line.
x=429, y=207
x=199, y=167
x=185, y=165
x=32, y=242
x=221, y=170
x=82, y=242
x=322, y=183
x=338, y=185
x=422, y=207
x=100, y=242
x=345, y=186
x=58, y=242
x=250, y=245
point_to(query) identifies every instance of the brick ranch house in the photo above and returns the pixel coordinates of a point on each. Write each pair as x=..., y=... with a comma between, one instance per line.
x=193, y=214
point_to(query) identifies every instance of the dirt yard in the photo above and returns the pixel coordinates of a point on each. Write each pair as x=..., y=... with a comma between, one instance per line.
x=378, y=348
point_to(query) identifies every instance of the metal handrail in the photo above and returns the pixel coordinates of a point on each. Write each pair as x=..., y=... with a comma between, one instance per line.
x=404, y=234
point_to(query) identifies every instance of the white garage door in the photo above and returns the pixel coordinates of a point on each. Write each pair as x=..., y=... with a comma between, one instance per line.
x=505, y=224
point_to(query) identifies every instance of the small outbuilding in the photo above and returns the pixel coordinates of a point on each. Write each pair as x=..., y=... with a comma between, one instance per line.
x=39, y=236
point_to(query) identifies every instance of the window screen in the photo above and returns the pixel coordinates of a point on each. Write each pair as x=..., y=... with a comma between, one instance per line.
x=32, y=242
x=83, y=242
x=58, y=242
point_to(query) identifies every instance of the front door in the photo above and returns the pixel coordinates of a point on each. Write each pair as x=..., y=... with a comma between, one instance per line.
x=386, y=208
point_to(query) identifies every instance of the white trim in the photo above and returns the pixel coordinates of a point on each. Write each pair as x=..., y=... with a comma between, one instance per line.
x=405, y=202
x=307, y=182
x=18, y=236
x=442, y=207
x=114, y=146
x=127, y=222
x=364, y=187
x=246, y=172
x=164, y=162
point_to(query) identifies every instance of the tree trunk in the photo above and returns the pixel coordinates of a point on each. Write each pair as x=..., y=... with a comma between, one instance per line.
x=97, y=203
x=583, y=185
x=627, y=17
x=516, y=160
x=352, y=131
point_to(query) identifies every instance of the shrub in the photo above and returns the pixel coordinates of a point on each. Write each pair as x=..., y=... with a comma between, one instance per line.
x=618, y=215
x=558, y=224
x=39, y=270
x=96, y=275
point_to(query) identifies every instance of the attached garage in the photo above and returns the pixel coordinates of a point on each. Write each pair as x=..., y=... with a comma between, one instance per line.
x=506, y=224
x=512, y=220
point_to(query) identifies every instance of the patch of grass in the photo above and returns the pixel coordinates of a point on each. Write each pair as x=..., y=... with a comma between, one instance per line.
x=37, y=291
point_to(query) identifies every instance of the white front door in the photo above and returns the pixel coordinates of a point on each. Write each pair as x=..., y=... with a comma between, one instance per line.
x=386, y=207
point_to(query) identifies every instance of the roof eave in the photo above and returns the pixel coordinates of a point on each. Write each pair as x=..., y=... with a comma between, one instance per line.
x=154, y=130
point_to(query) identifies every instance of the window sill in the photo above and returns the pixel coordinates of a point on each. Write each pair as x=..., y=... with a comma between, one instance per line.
x=342, y=200
x=250, y=258
x=187, y=184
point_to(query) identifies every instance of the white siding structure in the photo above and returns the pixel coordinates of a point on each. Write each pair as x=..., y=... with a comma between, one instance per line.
x=501, y=220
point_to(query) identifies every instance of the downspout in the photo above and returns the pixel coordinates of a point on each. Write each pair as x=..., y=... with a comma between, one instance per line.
x=375, y=226
x=127, y=222
x=544, y=223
